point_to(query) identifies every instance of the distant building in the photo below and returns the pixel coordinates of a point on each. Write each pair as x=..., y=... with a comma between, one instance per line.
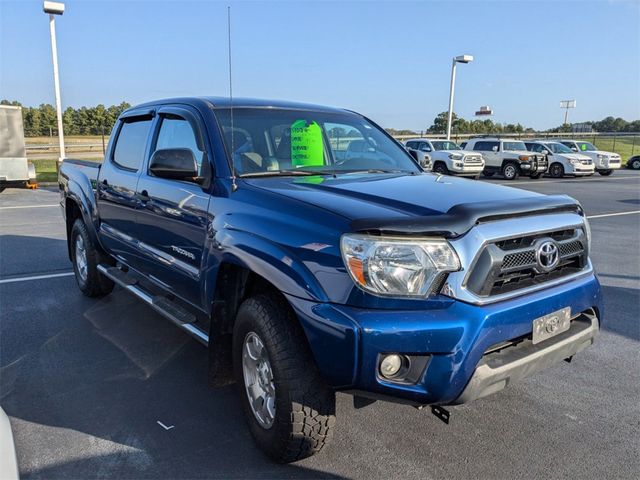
x=581, y=128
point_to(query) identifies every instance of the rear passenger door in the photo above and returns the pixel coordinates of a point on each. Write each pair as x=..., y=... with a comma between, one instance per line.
x=117, y=183
x=172, y=217
x=486, y=148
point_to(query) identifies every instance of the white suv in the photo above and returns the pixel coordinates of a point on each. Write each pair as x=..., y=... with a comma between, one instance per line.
x=605, y=162
x=562, y=160
x=507, y=156
x=448, y=158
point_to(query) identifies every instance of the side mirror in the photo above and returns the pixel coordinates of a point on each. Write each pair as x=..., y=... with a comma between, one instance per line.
x=545, y=152
x=174, y=163
x=574, y=149
x=494, y=148
x=425, y=149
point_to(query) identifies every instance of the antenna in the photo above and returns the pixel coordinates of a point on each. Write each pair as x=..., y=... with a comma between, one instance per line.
x=234, y=185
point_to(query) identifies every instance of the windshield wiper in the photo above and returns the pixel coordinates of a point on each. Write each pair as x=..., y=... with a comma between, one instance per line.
x=284, y=173
x=379, y=170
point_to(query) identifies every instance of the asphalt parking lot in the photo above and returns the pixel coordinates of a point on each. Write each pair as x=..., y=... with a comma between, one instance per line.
x=107, y=388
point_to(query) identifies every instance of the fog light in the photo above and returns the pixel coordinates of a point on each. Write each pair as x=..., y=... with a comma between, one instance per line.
x=390, y=365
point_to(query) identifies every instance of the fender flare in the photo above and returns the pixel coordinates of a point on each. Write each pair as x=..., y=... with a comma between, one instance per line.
x=271, y=261
x=80, y=192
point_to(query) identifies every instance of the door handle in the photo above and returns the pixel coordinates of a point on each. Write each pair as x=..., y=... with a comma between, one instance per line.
x=143, y=196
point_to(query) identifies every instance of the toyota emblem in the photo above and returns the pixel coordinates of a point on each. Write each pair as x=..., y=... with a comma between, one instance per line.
x=547, y=255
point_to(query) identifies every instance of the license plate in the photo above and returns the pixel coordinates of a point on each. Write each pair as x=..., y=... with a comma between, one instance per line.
x=551, y=324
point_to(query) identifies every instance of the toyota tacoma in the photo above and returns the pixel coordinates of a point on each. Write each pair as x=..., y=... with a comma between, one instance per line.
x=306, y=273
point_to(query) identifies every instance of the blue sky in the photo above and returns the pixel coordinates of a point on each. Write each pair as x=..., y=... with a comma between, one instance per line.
x=388, y=60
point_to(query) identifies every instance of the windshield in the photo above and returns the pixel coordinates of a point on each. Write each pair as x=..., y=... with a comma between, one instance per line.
x=586, y=147
x=558, y=148
x=267, y=141
x=514, y=146
x=445, y=145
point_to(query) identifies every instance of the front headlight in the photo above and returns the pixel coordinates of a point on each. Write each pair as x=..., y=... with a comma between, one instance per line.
x=455, y=156
x=587, y=230
x=602, y=157
x=400, y=267
x=574, y=161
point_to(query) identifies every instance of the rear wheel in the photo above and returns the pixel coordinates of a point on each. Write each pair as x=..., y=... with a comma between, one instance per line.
x=605, y=173
x=556, y=170
x=510, y=171
x=289, y=408
x=635, y=164
x=86, y=258
x=440, y=168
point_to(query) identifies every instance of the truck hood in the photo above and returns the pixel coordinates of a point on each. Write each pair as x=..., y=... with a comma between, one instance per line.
x=411, y=204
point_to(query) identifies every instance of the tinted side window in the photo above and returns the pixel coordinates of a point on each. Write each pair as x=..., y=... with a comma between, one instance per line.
x=535, y=147
x=412, y=144
x=176, y=132
x=130, y=144
x=485, y=146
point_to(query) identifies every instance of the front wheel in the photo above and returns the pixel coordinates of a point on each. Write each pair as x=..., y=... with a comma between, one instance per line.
x=440, y=168
x=288, y=406
x=86, y=258
x=510, y=171
x=635, y=164
x=556, y=170
x=605, y=173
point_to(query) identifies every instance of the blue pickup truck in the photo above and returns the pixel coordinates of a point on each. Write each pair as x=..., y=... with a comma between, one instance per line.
x=306, y=271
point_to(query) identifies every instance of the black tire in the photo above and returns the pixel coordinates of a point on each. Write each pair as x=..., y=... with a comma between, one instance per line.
x=304, y=403
x=90, y=281
x=2, y=189
x=605, y=173
x=510, y=171
x=440, y=168
x=635, y=163
x=556, y=170
x=488, y=173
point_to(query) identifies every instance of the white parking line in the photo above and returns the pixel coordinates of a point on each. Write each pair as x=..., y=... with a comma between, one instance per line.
x=36, y=277
x=612, y=214
x=30, y=206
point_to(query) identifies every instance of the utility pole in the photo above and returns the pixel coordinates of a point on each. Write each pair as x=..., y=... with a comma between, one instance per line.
x=53, y=9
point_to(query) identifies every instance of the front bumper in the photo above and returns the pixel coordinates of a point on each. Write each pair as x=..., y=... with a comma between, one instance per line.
x=347, y=342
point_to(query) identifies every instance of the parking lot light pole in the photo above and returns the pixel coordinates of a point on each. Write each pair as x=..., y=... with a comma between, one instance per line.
x=53, y=9
x=456, y=60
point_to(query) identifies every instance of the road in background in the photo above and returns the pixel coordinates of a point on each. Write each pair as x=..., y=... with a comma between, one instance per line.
x=107, y=388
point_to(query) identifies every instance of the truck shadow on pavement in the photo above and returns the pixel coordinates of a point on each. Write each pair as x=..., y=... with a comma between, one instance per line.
x=88, y=393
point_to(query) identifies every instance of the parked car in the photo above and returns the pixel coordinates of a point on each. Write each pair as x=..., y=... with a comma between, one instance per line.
x=305, y=275
x=508, y=157
x=634, y=162
x=8, y=460
x=422, y=157
x=605, y=162
x=562, y=160
x=448, y=158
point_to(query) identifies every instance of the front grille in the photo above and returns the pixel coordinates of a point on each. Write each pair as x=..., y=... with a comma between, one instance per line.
x=512, y=264
x=472, y=159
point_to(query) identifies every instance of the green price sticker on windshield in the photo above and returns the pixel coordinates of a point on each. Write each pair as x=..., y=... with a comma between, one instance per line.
x=307, y=149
